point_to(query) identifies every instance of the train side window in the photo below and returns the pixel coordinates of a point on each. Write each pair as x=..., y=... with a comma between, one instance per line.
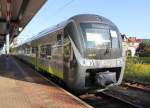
x=59, y=38
x=48, y=51
x=42, y=51
x=24, y=51
x=33, y=50
x=28, y=50
x=45, y=51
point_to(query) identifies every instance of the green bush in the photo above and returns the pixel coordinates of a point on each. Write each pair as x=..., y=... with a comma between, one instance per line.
x=145, y=60
x=138, y=69
x=144, y=49
x=137, y=60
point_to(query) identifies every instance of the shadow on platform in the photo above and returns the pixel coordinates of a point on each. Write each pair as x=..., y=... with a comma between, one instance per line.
x=15, y=69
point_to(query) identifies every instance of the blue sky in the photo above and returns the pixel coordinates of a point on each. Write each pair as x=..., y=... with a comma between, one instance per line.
x=131, y=16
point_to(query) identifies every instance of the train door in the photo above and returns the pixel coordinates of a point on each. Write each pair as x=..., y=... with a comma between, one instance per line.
x=37, y=57
x=69, y=60
x=66, y=56
x=57, y=56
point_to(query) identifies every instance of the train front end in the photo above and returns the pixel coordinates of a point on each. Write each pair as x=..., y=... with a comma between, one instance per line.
x=98, y=54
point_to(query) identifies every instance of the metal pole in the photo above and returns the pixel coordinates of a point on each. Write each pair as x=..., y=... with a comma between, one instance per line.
x=7, y=44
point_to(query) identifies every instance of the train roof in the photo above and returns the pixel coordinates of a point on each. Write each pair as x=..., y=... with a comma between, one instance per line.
x=49, y=30
x=77, y=18
x=91, y=18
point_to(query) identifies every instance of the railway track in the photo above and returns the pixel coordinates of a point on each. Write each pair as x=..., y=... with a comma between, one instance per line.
x=137, y=97
x=137, y=85
x=104, y=100
x=129, y=95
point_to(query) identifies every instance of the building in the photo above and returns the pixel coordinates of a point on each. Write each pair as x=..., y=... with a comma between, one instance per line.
x=130, y=44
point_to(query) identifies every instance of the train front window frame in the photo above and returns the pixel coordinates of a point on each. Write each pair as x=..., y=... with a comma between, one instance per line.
x=99, y=36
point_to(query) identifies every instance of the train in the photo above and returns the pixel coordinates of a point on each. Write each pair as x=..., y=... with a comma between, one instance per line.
x=85, y=52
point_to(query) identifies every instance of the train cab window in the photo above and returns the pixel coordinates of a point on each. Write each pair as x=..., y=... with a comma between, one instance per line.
x=95, y=36
x=114, y=37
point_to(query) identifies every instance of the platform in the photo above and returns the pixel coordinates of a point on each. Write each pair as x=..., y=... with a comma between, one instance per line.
x=21, y=87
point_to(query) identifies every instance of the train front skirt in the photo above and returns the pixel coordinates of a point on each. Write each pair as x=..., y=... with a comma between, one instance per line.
x=105, y=78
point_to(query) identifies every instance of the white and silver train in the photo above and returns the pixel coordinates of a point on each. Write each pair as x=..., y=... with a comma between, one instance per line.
x=85, y=52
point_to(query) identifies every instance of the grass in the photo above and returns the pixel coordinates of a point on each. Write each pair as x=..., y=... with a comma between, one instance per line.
x=138, y=69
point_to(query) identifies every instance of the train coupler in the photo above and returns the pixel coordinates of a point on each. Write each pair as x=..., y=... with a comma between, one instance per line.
x=105, y=78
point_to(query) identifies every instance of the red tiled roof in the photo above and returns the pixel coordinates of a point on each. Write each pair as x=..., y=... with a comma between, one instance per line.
x=134, y=39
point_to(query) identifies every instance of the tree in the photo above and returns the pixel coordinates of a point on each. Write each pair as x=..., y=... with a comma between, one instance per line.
x=144, y=48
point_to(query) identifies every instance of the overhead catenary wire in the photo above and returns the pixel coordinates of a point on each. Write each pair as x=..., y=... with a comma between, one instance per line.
x=63, y=7
x=54, y=14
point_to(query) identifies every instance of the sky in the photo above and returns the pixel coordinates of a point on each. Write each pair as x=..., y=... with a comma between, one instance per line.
x=132, y=17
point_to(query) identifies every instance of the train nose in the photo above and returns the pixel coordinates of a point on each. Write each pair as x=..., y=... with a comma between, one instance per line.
x=105, y=78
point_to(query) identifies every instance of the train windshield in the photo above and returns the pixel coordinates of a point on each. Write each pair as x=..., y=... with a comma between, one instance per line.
x=98, y=37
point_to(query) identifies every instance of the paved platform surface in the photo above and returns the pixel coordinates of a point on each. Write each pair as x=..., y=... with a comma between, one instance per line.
x=21, y=87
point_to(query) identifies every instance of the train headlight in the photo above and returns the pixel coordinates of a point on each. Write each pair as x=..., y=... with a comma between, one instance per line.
x=119, y=62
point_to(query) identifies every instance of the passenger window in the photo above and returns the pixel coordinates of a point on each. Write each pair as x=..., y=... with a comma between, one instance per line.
x=58, y=37
x=33, y=50
x=45, y=51
x=48, y=52
x=28, y=50
x=42, y=52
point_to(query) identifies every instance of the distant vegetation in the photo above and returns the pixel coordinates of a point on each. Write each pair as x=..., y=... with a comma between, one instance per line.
x=138, y=69
x=144, y=49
